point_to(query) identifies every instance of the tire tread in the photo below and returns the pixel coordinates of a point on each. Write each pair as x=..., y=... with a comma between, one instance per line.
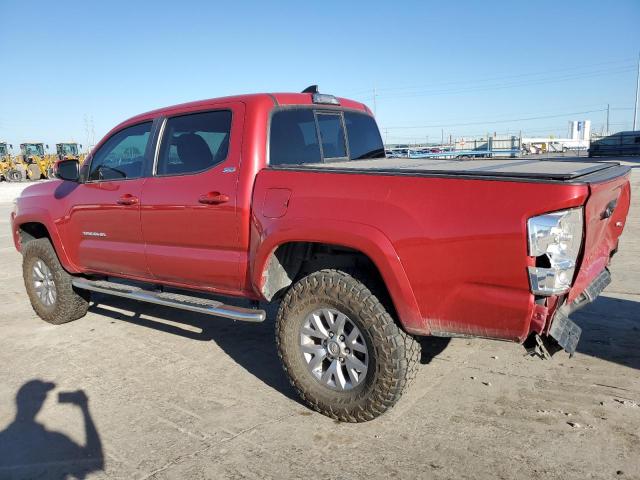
x=70, y=304
x=399, y=352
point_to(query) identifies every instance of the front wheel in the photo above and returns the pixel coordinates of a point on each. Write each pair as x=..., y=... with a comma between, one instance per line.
x=48, y=285
x=15, y=175
x=341, y=349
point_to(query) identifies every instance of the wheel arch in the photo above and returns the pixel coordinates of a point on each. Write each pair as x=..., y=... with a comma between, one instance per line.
x=287, y=250
x=36, y=224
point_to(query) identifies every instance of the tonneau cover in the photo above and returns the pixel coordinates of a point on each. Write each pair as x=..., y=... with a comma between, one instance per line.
x=506, y=167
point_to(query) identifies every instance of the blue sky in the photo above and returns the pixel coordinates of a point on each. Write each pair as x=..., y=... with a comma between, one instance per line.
x=463, y=67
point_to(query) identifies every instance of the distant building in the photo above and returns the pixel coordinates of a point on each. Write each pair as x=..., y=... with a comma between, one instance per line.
x=579, y=137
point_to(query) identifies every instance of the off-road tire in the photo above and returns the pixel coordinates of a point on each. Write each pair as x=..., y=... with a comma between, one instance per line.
x=15, y=175
x=393, y=354
x=70, y=303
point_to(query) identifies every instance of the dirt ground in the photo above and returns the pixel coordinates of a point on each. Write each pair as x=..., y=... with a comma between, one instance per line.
x=174, y=395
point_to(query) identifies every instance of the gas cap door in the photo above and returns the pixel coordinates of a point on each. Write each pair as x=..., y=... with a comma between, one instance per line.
x=276, y=201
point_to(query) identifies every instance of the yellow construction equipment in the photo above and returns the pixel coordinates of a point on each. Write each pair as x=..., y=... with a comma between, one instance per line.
x=5, y=159
x=69, y=151
x=36, y=163
x=9, y=170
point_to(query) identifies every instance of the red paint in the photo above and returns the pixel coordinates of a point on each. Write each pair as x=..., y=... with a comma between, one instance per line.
x=601, y=233
x=452, y=251
x=276, y=201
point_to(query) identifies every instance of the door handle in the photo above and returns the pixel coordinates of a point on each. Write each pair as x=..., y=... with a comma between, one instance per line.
x=128, y=199
x=213, y=198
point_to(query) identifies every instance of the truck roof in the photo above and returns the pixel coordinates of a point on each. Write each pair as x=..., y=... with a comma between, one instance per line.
x=274, y=99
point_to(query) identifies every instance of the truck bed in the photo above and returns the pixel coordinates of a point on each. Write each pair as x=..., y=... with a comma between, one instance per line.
x=528, y=169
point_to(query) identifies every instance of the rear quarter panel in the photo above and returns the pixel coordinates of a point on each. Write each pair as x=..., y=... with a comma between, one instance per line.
x=602, y=231
x=457, y=247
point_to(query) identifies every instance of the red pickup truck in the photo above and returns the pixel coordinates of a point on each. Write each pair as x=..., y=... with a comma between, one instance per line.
x=288, y=198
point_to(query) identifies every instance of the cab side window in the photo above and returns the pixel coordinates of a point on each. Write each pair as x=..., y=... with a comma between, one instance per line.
x=194, y=143
x=122, y=155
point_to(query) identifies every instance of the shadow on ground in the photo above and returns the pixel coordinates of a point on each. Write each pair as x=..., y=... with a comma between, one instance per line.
x=251, y=345
x=610, y=330
x=29, y=450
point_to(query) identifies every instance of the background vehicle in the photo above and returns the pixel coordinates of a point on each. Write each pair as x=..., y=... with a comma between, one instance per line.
x=69, y=151
x=36, y=163
x=289, y=198
x=10, y=169
x=621, y=143
x=5, y=160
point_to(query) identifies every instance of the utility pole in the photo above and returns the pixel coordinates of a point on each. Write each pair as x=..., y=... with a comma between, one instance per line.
x=86, y=128
x=375, y=109
x=607, y=119
x=635, y=105
x=442, y=141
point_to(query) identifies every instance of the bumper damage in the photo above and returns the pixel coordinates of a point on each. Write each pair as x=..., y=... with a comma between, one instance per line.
x=563, y=333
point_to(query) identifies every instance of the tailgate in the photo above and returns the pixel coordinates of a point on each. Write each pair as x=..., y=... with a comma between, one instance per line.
x=605, y=215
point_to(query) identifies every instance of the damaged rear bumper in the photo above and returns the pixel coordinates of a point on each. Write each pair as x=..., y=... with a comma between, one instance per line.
x=564, y=334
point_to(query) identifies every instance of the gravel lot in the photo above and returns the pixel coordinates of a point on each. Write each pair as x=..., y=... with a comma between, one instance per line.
x=174, y=395
x=9, y=191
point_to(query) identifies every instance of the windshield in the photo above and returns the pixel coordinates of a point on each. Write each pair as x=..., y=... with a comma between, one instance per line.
x=33, y=149
x=68, y=148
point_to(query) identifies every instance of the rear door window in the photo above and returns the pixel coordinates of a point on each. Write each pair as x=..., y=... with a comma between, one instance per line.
x=294, y=138
x=194, y=143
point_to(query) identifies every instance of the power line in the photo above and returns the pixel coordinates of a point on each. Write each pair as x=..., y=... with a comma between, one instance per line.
x=501, y=86
x=498, y=121
x=629, y=61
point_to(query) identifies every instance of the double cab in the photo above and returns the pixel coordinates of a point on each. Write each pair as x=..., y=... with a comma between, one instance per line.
x=289, y=198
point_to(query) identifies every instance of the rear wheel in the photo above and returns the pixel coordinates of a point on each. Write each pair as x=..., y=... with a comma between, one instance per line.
x=49, y=286
x=341, y=349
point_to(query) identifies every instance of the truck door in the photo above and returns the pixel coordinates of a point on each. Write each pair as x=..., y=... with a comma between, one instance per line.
x=188, y=204
x=103, y=223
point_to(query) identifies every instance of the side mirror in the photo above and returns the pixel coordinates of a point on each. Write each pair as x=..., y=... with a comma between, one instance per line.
x=47, y=147
x=67, y=170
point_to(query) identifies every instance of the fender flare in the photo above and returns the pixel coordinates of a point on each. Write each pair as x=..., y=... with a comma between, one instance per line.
x=41, y=215
x=360, y=237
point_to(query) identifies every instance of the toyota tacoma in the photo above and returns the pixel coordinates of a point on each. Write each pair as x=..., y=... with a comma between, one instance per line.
x=289, y=198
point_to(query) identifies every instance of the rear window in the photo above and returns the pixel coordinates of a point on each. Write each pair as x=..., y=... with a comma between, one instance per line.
x=364, y=137
x=332, y=135
x=303, y=136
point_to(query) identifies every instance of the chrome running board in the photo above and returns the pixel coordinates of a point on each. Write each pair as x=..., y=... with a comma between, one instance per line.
x=175, y=300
